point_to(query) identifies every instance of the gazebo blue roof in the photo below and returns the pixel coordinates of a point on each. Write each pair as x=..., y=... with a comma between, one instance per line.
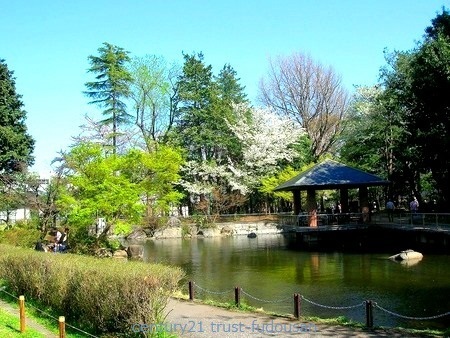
x=331, y=175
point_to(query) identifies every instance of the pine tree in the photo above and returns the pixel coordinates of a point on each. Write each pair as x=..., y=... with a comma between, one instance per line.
x=16, y=145
x=112, y=86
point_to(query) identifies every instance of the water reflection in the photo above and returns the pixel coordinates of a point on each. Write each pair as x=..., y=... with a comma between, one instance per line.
x=269, y=268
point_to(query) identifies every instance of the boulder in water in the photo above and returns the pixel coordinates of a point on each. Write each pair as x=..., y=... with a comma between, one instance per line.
x=407, y=255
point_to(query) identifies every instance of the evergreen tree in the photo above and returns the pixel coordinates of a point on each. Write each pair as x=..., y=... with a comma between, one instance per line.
x=111, y=87
x=197, y=102
x=418, y=84
x=16, y=145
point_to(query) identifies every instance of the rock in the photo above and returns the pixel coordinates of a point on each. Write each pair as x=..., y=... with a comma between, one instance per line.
x=173, y=222
x=103, y=252
x=407, y=255
x=227, y=230
x=168, y=233
x=135, y=251
x=210, y=232
x=137, y=234
x=120, y=254
x=251, y=235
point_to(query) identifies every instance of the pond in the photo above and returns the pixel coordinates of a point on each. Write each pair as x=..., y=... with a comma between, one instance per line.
x=270, y=269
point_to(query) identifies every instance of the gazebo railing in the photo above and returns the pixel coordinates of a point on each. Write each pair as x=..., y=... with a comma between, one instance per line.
x=323, y=219
x=432, y=221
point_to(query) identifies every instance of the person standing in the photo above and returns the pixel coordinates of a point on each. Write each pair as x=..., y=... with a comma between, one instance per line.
x=390, y=210
x=414, y=205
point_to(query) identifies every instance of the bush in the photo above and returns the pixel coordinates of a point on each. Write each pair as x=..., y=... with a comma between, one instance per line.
x=20, y=236
x=100, y=295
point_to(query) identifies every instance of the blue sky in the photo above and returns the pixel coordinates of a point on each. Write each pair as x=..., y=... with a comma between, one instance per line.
x=46, y=43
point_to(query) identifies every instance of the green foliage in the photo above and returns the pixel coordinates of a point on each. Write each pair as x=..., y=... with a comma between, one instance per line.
x=204, y=104
x=122, y=228
x=114, y=244
x=155, y=173
x=152, y=96
x=118, y=188
x=16, y=145
x=97, y=187
x=100, y=295
x=268, y=184
x=23, y=236
x=374, y=138
x=112, y=85
x=418, y=86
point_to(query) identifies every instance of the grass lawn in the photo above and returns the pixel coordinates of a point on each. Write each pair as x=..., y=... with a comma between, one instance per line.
x=9, y=327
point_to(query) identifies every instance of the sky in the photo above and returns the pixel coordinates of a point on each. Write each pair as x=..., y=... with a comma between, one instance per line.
x=47, y=43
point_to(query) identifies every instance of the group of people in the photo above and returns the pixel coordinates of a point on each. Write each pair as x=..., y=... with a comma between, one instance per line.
x=61, y=240
x=390, y=207
x=56, y=241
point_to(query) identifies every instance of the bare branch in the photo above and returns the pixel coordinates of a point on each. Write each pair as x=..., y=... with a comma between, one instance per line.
x=309, y=94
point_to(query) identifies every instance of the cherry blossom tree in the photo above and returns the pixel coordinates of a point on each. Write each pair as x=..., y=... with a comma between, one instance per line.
x=266, y=141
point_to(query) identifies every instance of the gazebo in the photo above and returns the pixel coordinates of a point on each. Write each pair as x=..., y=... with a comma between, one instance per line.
x=331, y=175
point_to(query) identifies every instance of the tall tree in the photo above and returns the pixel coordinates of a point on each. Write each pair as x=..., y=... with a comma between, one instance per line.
x=204, y=104
x=419, y=83
x=308, y=93
x=374, y=139
x=153, y=95
x=230, y=90
x=111, y=87
x=199, y=125
x=16, y=145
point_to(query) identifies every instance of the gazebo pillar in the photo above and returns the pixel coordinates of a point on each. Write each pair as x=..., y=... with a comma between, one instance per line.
x=297, y=201
x=364, y=202
x=343, y=193
x=311, y=205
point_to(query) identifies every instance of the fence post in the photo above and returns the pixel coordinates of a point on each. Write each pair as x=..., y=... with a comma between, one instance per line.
x=237, y=296
x=22, y=313
x=369, y=314
x=297, y=305
x=191, y=290
x=62, y=327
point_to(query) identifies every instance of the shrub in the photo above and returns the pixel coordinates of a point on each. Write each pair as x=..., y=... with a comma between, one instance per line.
x=20, y=236
x=101, y=295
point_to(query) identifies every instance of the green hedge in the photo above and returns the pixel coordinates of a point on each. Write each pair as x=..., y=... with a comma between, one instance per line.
x=101, y=295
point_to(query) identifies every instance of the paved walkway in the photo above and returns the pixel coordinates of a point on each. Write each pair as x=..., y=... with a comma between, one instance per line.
x=194, y=320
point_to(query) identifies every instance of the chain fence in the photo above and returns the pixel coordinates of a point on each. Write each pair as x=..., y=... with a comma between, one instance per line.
x=265, y=300
x=212, y=292
x=44, y=313
x=367, y=304
x=409, y=317
x=334, y=307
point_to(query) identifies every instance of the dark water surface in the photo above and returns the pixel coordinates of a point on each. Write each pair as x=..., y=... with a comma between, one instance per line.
x=270, y=270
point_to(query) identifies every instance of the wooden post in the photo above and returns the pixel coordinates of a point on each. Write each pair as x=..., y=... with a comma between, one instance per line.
x=311, y=207
x=297, y=306
x=297, y=202
x=22, y=313
x=191, y=290
x=343, y=196
x=369, y=314
x=364, y=202
x=237, y=296
x=62, y=327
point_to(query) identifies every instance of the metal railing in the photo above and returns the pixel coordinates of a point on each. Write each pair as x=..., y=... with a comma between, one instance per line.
x=432, y=221
x=337, y=219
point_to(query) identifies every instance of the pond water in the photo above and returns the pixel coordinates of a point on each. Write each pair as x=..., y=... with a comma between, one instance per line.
x=270, y=269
